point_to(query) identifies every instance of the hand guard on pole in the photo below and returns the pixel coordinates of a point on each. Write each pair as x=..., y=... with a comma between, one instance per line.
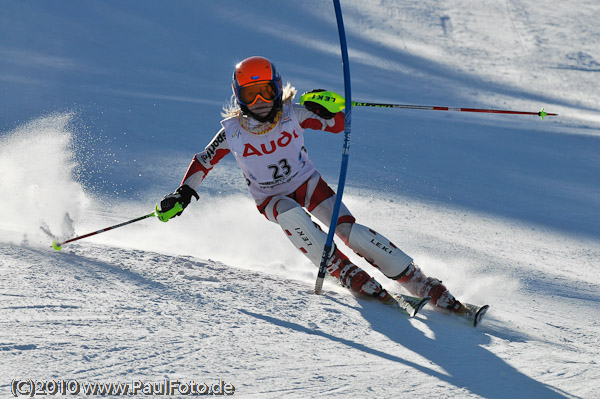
x=173, y=204
x=318, y=104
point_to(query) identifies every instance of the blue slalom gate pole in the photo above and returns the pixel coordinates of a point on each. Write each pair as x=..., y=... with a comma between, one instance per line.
x=346, y=149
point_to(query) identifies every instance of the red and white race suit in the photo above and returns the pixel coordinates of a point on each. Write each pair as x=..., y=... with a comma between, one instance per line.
x=282, y=180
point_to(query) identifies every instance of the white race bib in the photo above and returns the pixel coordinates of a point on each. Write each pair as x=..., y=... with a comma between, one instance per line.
x=275, y=162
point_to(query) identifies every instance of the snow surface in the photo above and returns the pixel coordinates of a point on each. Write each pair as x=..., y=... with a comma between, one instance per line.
x=103, y=104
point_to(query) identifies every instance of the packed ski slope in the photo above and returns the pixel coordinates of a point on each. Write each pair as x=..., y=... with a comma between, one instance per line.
x=102, y=106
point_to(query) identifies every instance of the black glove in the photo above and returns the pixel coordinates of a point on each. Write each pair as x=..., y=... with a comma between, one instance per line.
x=182, y=196
x=317, y=108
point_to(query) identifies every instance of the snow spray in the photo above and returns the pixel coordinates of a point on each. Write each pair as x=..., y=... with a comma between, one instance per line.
x=39, y=196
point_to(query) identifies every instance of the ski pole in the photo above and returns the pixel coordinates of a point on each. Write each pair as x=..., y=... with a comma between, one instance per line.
x=542, y=114
x=335, y=103
x=58, y=245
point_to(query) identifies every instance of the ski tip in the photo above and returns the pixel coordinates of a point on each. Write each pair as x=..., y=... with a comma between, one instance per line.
x=56, y=246
x=479, y=315
x=411, y=305
x=420, y=305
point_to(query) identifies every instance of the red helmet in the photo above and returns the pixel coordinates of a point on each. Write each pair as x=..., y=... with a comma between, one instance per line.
x=257, y=77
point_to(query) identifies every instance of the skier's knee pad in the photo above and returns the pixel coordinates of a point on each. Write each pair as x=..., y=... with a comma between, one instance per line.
x=378, y=250
x=303, y=233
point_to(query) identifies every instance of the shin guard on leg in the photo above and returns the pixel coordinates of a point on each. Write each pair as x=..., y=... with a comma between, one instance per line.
x=378, y=250
x=303, y=233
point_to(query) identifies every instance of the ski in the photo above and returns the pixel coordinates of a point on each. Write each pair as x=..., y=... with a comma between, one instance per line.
x=409, y=305
x=472, y=313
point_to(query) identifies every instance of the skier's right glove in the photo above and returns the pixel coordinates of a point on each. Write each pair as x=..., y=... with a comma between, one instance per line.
x=172, y=205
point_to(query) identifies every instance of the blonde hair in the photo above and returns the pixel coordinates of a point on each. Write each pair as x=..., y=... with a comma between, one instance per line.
x=232, y=109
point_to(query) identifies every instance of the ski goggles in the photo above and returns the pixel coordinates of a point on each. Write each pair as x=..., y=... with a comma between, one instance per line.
x=249, y=94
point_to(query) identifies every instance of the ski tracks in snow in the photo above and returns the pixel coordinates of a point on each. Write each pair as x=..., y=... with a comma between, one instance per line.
x=98, y=313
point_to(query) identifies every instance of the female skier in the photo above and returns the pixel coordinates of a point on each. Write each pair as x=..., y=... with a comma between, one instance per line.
x=264, y=132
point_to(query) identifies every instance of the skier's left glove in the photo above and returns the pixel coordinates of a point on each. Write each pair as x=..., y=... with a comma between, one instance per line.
x=322, y=103
x=172, y=205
